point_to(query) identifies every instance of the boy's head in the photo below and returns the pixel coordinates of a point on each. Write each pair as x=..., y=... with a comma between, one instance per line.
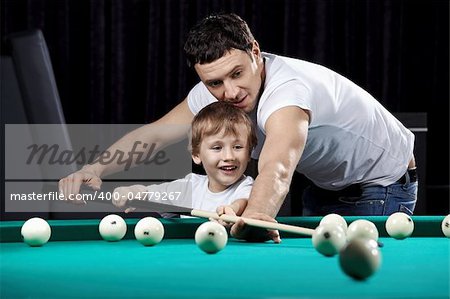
x=222, y=139
x=221, y=117
x=216, y=35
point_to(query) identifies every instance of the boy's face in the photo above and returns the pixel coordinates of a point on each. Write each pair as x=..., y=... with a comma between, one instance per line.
x=224, y=158
x=235, y=77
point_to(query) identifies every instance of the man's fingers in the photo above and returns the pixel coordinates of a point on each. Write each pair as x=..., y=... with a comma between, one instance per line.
x=70, y=186
x=67, y=186
x=274, y=235
x=238, y=229
x=253, y=234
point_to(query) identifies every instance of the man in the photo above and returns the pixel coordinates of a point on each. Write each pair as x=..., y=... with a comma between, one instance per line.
x=309, y=118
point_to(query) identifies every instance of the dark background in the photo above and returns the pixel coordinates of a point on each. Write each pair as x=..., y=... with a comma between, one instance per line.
x=121, y=61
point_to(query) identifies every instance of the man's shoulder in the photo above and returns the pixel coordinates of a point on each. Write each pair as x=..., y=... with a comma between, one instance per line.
x=281, y=60
x=281, y=69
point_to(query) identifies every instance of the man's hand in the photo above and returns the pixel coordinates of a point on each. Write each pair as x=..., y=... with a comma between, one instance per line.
x=70, y=185
x=252, y=234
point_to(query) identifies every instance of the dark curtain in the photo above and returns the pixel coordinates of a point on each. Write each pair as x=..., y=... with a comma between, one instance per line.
x=121, y=61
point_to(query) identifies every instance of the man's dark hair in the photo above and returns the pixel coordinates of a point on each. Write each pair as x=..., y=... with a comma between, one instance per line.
x=215, y=35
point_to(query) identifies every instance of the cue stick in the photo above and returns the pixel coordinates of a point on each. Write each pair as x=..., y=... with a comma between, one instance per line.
x=255, y=222
x=160, y=207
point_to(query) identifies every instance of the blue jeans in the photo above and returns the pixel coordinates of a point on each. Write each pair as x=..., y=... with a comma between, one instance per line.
x=372, y=200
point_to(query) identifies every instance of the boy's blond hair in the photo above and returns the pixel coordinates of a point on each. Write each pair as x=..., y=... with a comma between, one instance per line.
x=219, y=116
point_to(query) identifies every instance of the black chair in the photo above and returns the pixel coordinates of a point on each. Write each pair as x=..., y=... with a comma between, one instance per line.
x=30, y=96
x=35, y=77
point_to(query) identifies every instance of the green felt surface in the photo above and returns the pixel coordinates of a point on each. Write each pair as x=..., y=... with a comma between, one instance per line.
x=417, y=267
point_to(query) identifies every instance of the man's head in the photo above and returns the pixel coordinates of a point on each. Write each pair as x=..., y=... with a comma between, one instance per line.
x=216, y=35
x=227, y=59
x=222, y=139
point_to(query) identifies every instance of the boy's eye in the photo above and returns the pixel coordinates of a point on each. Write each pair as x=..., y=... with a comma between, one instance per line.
x=238, y=147
x=216, y=148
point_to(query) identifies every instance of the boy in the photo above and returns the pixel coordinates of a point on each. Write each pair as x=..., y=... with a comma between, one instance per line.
x=222, y=139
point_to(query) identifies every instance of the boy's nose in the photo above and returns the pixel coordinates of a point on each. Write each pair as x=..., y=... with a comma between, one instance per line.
x=228, y=154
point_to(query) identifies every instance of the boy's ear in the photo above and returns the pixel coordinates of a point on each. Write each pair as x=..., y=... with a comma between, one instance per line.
x=196, y=159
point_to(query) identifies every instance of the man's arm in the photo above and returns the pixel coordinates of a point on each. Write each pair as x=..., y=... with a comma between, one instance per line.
x=147, y=134
x=286, y=133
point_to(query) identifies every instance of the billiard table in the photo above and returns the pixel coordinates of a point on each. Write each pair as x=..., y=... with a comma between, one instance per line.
x=76, y=263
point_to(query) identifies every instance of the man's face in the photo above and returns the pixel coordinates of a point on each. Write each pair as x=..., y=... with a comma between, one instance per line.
x=235, y=77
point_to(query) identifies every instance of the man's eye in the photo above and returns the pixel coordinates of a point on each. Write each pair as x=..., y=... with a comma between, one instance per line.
x=214, y=84
x=237, y=74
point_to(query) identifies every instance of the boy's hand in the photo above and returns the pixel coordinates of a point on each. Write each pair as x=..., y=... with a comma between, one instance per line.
x=122, y=194
x=225, y=210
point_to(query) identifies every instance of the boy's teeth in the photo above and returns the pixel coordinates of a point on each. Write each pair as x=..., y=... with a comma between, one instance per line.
x=228, y=167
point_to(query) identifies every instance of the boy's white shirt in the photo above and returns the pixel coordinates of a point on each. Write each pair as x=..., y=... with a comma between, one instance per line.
x=192, y=192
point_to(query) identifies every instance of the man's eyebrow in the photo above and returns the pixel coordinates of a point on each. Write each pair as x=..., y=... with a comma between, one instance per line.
x=228, y=74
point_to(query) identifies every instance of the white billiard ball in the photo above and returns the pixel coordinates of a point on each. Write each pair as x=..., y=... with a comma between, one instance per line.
x=360, y=258
x=36, y=231
x=334, y=219
x=112, y=228
x=211, y=237
x=399, y=225
x=362, y=228
x=446, y=226
x=328, y=239
x=149, y=231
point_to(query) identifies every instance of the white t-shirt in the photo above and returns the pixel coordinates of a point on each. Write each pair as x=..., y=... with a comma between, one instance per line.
x=192, y=192
x=352, y=138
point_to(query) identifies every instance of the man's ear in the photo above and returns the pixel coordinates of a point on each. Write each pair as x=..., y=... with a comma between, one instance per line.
x=256, y=50
x=196, y=159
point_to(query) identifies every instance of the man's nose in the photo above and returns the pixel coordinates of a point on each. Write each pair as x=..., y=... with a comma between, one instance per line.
x=231, y=91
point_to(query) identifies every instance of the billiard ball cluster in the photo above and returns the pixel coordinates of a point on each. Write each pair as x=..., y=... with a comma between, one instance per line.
x=211, y=237
x=357, y=244
x=148, y=231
